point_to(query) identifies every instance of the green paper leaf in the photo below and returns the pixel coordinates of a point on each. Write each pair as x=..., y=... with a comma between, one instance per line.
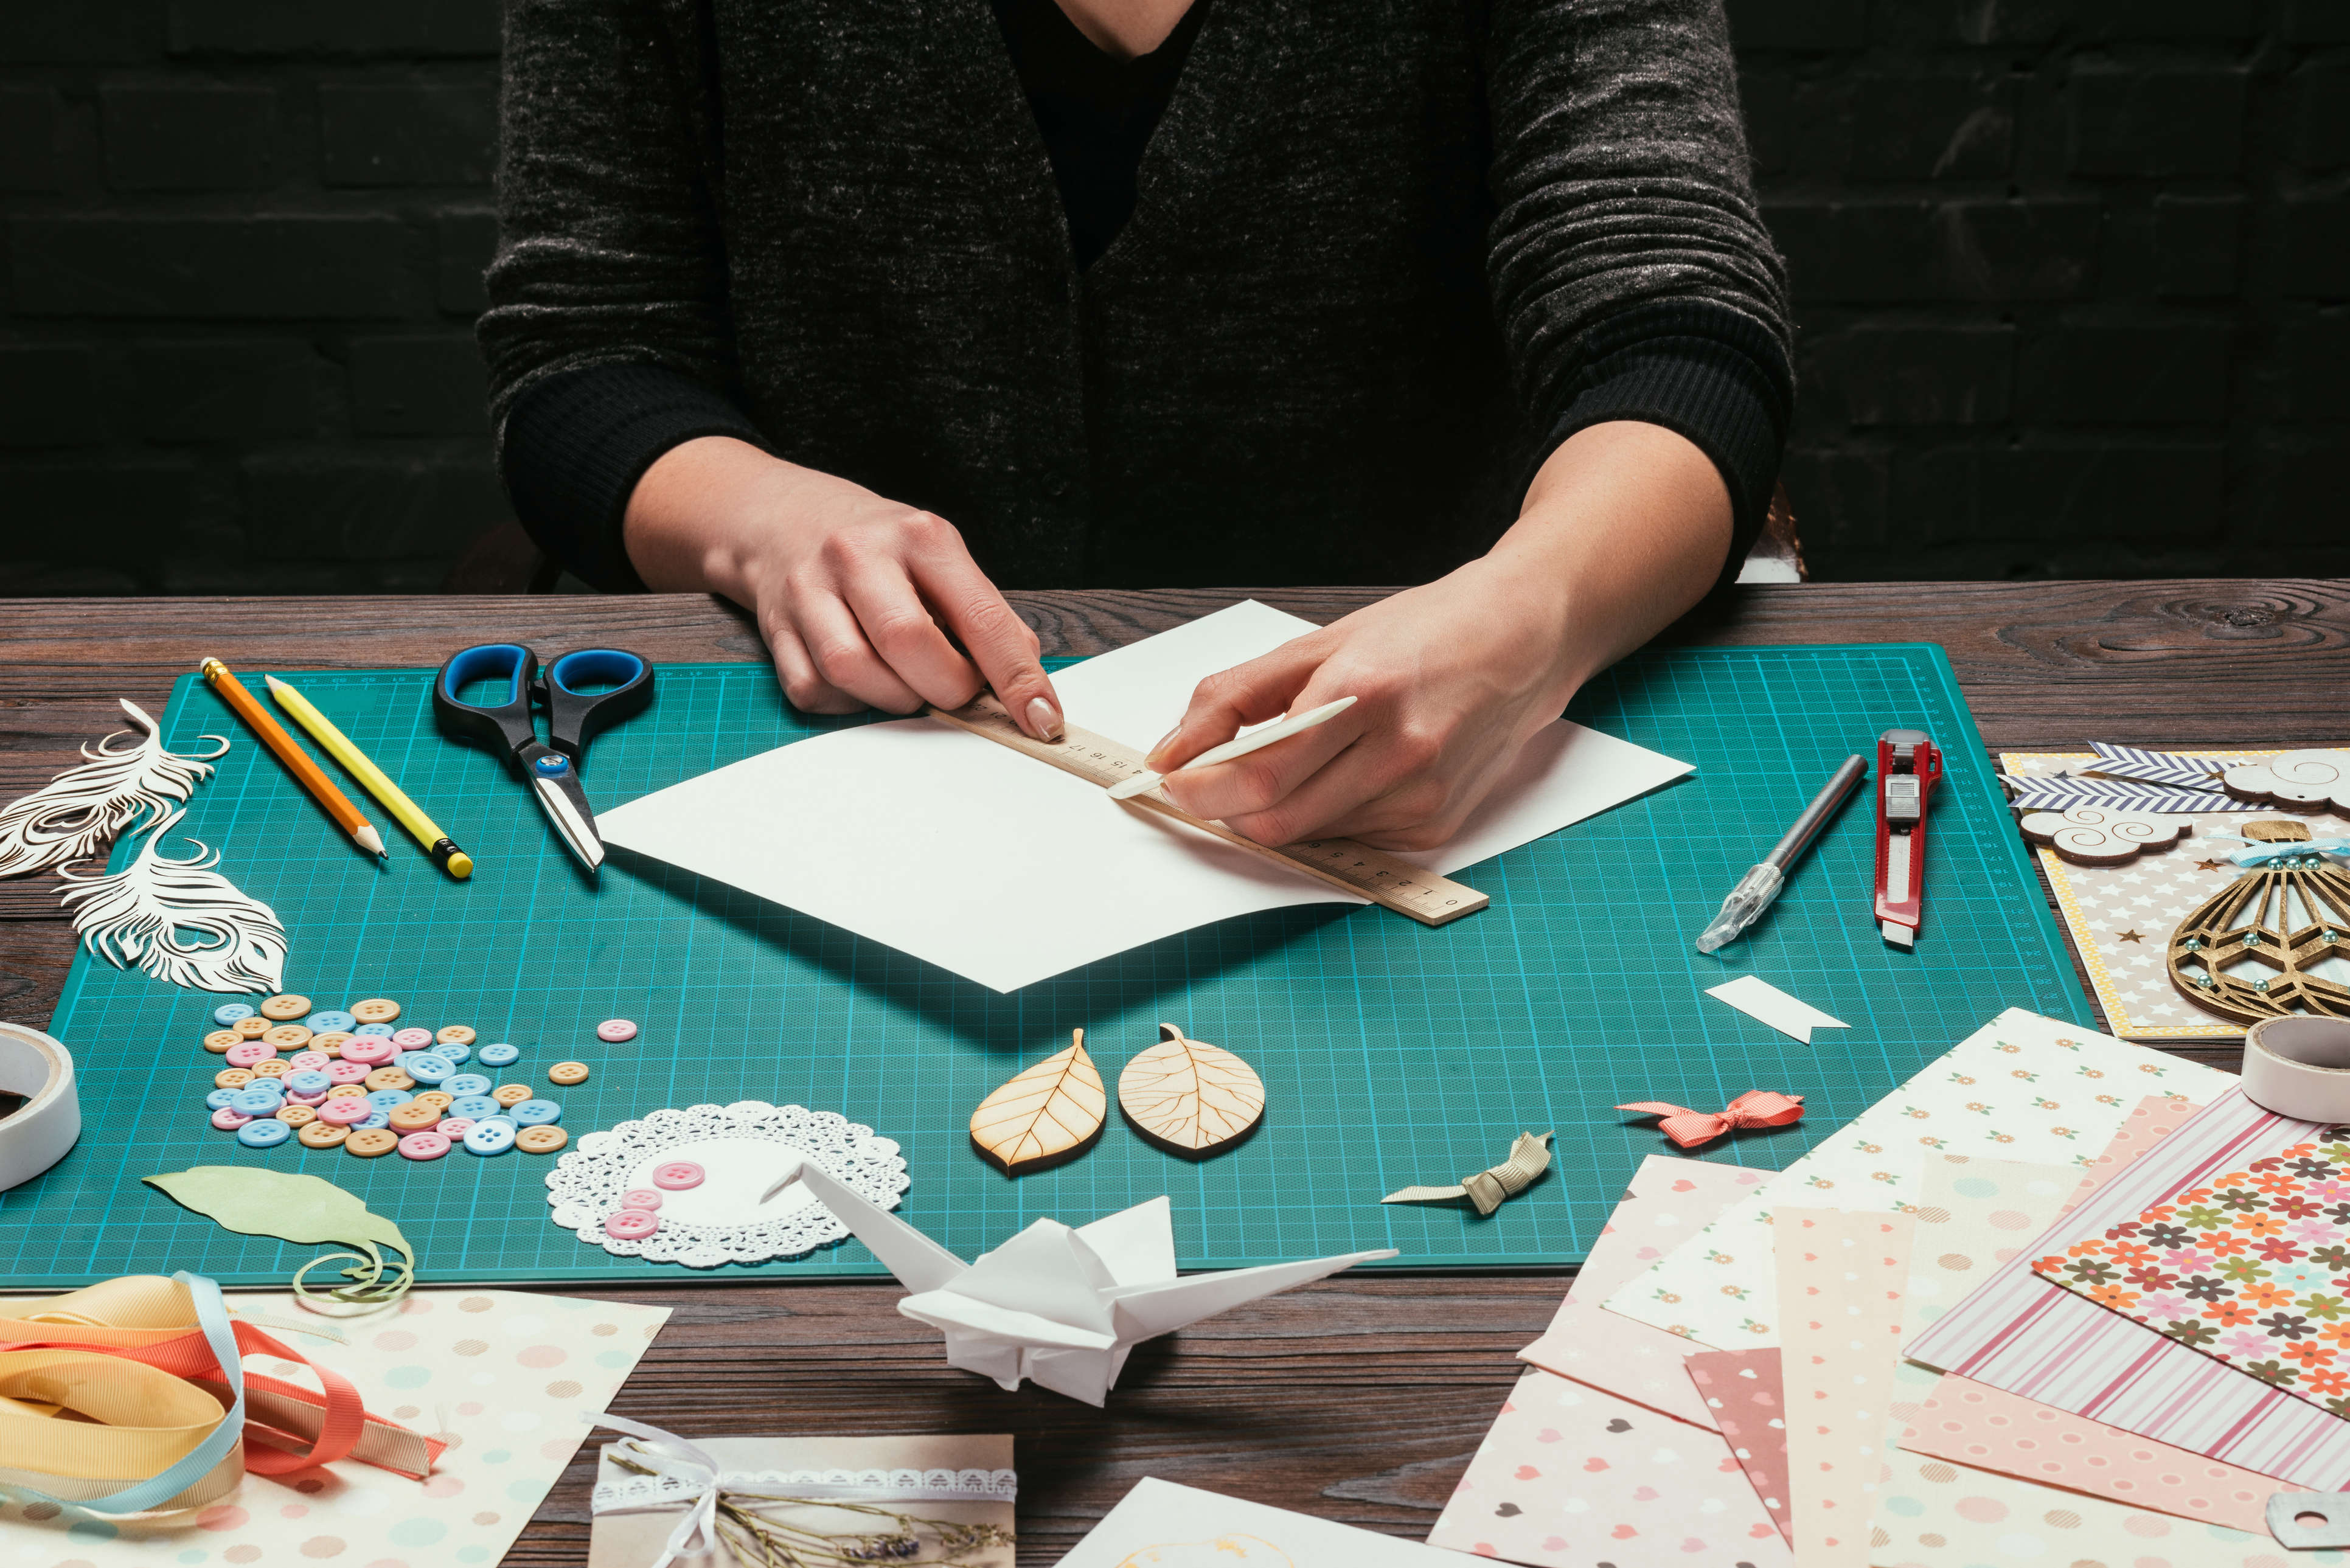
x=258, y=1202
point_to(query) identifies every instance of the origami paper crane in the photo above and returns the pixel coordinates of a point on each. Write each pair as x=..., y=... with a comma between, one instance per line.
x=1057, y=1305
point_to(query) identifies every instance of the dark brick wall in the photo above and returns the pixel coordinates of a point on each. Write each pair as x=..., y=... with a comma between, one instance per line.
x=2072, y=275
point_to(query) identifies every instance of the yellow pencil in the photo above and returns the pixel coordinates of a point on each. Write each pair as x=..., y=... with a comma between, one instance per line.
x=337, y=745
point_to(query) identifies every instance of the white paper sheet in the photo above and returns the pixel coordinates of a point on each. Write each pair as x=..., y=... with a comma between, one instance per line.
x=1159, y=1524
x=1760, y=999
x=1007, y=871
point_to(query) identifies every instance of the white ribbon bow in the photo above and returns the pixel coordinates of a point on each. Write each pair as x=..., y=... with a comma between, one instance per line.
x=697, y=1533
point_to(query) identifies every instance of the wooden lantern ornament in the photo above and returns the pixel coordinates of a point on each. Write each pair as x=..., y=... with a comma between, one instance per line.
x=2252, y=950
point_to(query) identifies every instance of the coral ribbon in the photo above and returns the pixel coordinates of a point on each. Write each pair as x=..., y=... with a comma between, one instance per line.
x=1754, y=1108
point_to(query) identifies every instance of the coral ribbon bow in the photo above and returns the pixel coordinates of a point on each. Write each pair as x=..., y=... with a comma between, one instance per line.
x=1754, y=1108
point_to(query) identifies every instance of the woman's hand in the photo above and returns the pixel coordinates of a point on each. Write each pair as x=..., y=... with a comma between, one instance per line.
x=863, y=601
x=1624, y=528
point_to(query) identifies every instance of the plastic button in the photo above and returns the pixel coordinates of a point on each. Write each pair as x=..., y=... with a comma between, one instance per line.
x=385, y=1099
x=382, y=1030
x=228, y=1013
x=310, y=1061
x=389, y=1078
x=449, y=1050
x=264, y=1132
x=368, y=1142
x=221, y=1040
x=347, y=1111
x=220, y=1099
x=370, y=1050
x=272, y=1068
x=257, y=1102
x=473, y=1107
x=464, y=1083
x=567, y=1074
x=231, y=1078
x=288, y=1037
x=454, y=1035
x=454, y=1128
x=379, y=1119
x=490, y=1136
x=541, y=1140
x=499, y=1055
x=297, y=1116
x=632, y=1224
x=253, y=1028
x=329, y=1018
x=228, y=1118
x=677, y=1175
x=351, y=1091
x=375, y=1010
x=613, y=1031
x=439, y=1099
x=643, y=1197
x=285, y=1006
x=308, y=1082
x=420, y=1146
x=511, y=1095
x=424, y=1066
x=246, y=1053
x=411, y=1038
x=331, y=1043
x=343, y=1072
x=412, y=1117
x=322, y=1135
x=535, y=1113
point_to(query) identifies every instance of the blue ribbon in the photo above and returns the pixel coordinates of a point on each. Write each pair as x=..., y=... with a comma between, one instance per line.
x=2273, y=854
x=211, y=1316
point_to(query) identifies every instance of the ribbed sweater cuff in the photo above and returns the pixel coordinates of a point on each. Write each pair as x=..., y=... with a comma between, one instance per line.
x=1703, y=372
x=577, y=443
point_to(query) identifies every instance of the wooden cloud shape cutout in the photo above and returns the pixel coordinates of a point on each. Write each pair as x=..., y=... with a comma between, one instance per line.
x=1189, y=1097
x=1049, y=1114
x=2100, y=835
x=2317, y=779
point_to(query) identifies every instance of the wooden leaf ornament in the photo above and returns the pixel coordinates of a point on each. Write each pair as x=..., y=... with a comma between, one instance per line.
x=2310, y=780
x=1190, y=1095
x=2093, y=835
x=1047, y=1114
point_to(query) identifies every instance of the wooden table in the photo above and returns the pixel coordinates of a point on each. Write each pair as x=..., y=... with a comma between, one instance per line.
x=1360, y=1398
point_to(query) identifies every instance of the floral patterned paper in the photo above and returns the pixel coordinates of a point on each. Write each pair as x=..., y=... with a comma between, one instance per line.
x=2252, y=1268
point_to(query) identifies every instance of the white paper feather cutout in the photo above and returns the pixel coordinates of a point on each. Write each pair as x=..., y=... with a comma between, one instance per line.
x=77, y=813
x=180, y=921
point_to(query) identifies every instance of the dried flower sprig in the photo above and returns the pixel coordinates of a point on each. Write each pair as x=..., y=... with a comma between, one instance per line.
x=757, y=1541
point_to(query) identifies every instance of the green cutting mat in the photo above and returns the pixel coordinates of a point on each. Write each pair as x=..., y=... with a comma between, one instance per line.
x=1392, y=1053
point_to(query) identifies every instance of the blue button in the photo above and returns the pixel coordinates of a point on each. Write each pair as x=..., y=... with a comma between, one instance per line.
x=476, y=1107
x=375, y=1029
x=257, y=1102
x=228, y=1013
x=536, y=1113
x=221, y=1099
x=307, y=1082
x=465, y=1083
x=265, y=1132
x=389, y=1099
x=453, y=1052
x=424, y=1066
x=329, y=1021
x=500, y=1054
x=493, y=1136
x=380, y=1119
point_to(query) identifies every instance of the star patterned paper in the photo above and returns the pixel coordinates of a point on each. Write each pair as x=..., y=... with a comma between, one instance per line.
x=2252, y=1268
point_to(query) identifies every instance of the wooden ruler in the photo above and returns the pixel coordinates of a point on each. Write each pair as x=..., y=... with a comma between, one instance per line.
x=1357, y=867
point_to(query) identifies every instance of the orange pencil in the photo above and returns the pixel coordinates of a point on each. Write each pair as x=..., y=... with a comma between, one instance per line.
x=297, y=762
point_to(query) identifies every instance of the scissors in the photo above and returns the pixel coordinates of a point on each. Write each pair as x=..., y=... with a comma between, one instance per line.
x=572, y=718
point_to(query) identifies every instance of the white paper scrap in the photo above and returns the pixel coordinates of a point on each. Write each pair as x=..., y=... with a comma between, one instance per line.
x=1007, y=871
x=1159, y=1524
x=1758, y=998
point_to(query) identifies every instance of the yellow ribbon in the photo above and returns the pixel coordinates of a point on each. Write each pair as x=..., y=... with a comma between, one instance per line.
x=136, y=1421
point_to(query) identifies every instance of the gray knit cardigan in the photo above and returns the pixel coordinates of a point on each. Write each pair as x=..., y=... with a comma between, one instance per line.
x=1385, y=256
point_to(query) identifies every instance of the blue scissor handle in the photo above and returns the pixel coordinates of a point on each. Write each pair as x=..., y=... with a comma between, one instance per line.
x=574, y=717
x=508, y=721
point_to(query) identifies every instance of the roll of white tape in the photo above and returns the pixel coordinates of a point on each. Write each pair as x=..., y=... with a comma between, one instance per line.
x=38, y=1136
x=2300, y=1068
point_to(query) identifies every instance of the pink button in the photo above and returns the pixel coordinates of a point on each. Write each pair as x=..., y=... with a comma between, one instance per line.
x=632, y=1224
x=643, y=1197
x=345, y=1071
x=677, y=1175
x=228, y=1120
x=310, y=1062
x=615, y=1029
x=413, y=1039
x=247, y=1053
x=453, y=1128
x=314, y=1099
x=424, y=1146
x=373, y=1050
x=348, y=1111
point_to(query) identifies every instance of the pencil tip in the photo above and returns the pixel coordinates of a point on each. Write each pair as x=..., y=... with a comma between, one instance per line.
x=370, y=839
x=275, y=684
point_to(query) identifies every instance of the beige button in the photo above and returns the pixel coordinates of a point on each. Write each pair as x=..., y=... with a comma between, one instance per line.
x=375, y=1010
x=390, y=1078
x=297, y=1116
x=346, y=1091
x=252, y=1028
x=567, y=1073
x=220, y=1040
x=231, y=1078
x=415, y=1117
x=288, y=1036
x=370, y=1142
x=331, y=1043
x=511, y=1095
x=282, y=1008
x=541, y=1139
x=323, y=1134
x=437, y=1099
x=455, y=1034
x=273, y=1068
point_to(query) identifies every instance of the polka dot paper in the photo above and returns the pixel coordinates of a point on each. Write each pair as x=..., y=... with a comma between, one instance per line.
x=501, y=1376
x=1843, y=1288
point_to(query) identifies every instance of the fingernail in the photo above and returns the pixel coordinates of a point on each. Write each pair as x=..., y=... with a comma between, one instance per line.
x=1043, y=719
x=1165, y=741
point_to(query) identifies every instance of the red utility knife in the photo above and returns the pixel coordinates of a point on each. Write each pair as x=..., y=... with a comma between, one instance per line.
x=1908, y=768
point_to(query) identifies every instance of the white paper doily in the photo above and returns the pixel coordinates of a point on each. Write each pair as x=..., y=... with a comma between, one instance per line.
x=742, y=1148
